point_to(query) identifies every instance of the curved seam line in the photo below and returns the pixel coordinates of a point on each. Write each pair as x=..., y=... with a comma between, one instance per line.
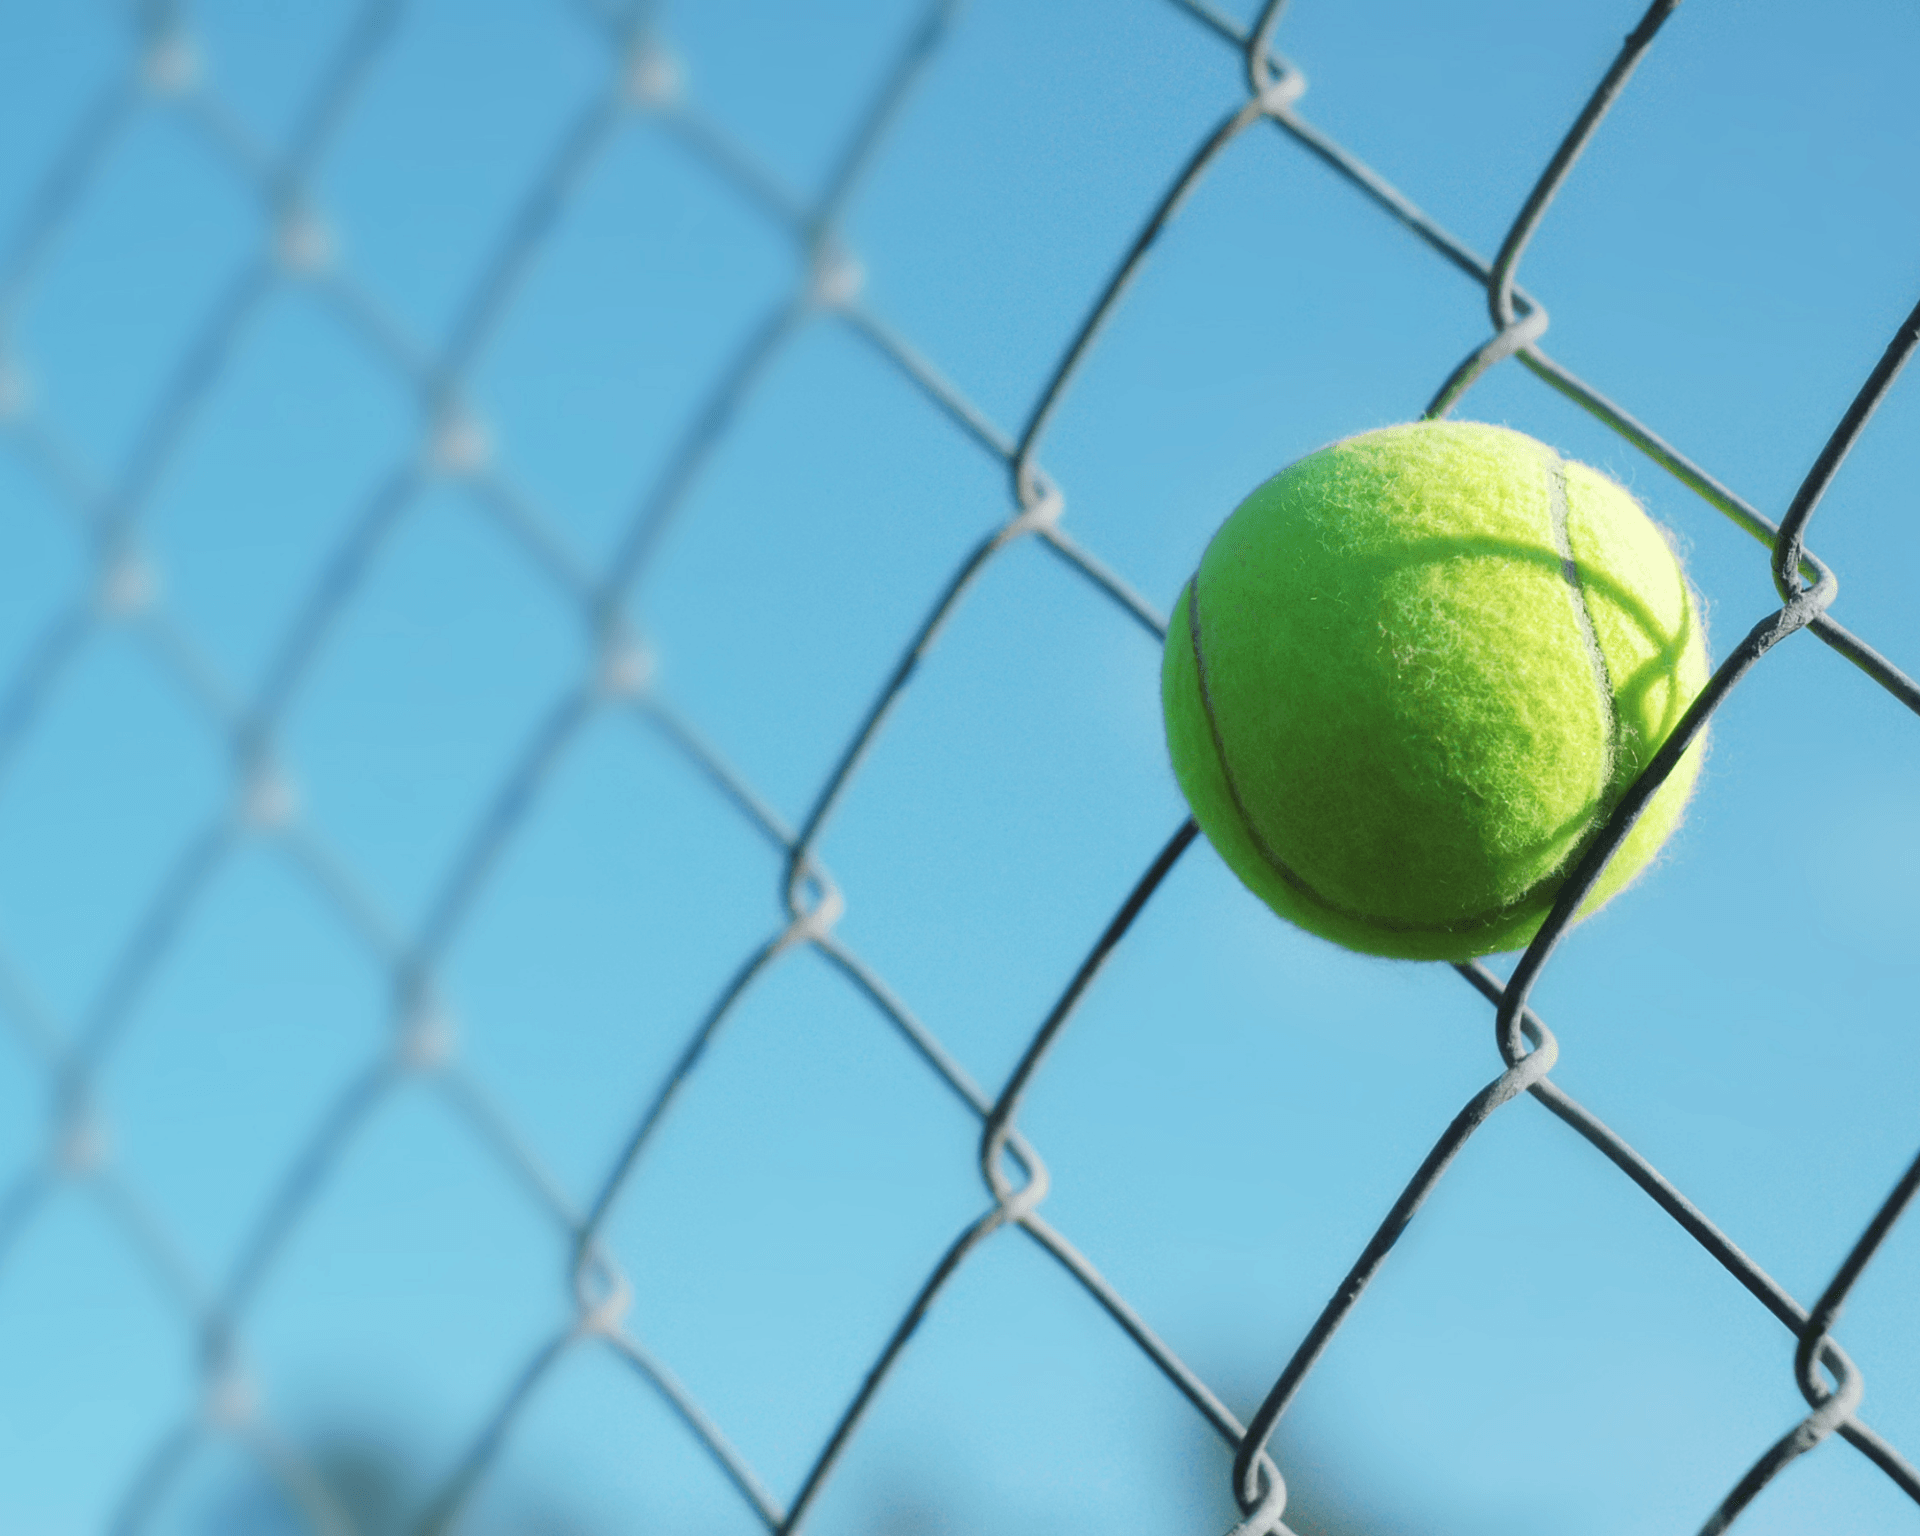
x=1557, y=514
x=1279, y=866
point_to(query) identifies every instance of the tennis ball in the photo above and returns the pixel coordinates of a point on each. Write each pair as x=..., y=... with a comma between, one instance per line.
x=1413, y=674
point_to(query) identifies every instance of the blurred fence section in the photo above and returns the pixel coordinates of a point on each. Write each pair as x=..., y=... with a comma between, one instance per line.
x=445, y=443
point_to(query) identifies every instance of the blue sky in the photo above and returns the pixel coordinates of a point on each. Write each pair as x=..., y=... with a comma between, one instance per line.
x=1236, y=1104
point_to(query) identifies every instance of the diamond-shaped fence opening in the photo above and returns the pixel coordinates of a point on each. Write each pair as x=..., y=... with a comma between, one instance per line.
x=545, y=738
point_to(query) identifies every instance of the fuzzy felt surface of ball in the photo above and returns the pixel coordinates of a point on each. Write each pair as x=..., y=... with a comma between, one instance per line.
x=1413, y=674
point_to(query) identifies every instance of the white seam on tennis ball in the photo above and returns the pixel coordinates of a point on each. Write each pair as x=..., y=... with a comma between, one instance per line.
x=1557, y=514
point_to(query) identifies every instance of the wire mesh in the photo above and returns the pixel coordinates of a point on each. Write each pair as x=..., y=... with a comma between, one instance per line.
x=642, y=93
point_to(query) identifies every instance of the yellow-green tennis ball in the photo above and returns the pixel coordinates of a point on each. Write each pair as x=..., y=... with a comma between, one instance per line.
x=1414, y=673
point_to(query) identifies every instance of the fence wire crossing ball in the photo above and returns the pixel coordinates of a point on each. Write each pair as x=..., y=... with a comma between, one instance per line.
x=1413, y=674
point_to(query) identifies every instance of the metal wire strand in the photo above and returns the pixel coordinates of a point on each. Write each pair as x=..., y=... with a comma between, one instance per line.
x=640, y=91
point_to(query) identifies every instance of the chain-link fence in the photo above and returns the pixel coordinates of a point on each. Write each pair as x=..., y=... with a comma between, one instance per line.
x=643, y=93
